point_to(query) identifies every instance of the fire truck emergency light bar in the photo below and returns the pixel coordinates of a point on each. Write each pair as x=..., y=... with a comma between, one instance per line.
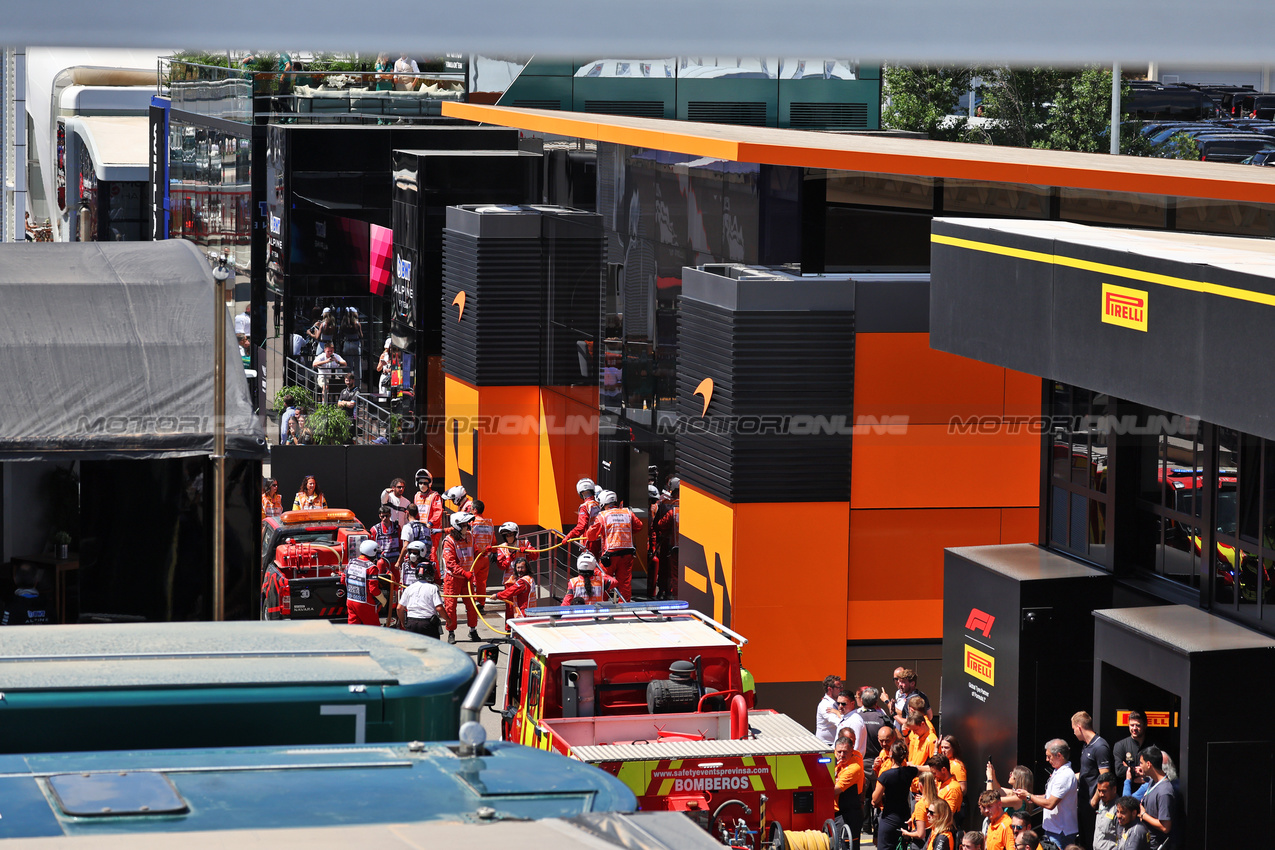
x=572, y=611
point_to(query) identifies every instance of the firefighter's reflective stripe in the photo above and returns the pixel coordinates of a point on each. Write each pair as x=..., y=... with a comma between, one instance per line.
x=356, y=580
x=596, y=591
x=456, y=555
x=483, y=532
x=617, y=526
x=430, y=507
x=387, y=540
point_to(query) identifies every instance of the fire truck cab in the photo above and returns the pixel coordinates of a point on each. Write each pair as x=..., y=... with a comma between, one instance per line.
x=302, y=555
x=655, y=694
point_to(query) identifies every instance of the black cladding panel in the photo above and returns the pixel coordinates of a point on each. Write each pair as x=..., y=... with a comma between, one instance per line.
x=781, y=412
x=532, y=282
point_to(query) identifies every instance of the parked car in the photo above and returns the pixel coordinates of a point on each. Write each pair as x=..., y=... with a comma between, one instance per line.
x=1230, y=148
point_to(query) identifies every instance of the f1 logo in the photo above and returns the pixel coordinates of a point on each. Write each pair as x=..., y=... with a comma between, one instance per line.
x=980, y=621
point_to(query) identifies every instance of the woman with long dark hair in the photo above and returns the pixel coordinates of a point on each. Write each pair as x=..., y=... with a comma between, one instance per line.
x=891, y=795
x=309, y=495
x=271, y=502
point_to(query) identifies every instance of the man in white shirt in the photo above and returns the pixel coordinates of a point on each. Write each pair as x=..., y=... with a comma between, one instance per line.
x=827, y=714
x=851, y=719
x=1060, y=821
x=243, y=323
x=403, y=67
x=327, y=364
x=418, y=607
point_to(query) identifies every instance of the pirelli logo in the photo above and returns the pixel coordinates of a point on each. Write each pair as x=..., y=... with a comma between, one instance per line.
x=1155, y=719
x=1124, y=307
x=980, y=665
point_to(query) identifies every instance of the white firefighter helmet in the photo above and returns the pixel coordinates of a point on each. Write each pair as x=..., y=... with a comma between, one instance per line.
x=456, y=494
x=584, y=484
x=607, y=498
x=509, y=528
x=417, y=546
x=461, y=519
x=369, y=548
x=586, y=563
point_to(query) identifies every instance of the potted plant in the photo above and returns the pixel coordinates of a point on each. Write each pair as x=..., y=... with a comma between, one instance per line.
x=62, y=545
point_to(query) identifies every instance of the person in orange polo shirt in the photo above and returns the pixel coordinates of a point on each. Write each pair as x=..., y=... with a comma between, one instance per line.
x=949, y=789
x=848, y=803
x=922, y=743
x=999, y=834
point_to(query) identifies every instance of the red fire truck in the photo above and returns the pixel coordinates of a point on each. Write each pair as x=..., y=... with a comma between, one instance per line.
x=302, y=553
x=656, y=694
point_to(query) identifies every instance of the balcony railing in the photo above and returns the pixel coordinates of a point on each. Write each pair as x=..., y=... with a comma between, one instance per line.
x=312, y=96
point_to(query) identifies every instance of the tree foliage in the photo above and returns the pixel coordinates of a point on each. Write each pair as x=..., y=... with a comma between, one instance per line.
x=921, y=99
x=1058, y=109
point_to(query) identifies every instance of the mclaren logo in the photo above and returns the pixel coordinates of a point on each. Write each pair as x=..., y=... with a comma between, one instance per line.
x=980, y=621
x=705, y=389
x=980, y=665
x=1124, y=307
x=459, y=301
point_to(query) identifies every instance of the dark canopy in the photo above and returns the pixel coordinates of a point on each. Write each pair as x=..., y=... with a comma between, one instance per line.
x=107, y=352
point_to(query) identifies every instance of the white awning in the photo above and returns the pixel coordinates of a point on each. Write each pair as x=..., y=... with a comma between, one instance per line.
x=116, y=144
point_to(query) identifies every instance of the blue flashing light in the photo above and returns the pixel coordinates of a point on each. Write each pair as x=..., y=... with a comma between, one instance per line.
x=825, y=759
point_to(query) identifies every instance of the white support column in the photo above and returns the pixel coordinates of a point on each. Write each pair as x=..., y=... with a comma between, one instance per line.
x=19, y=117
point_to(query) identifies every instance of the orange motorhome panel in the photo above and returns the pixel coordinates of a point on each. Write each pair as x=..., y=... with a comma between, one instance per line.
x=779, y=571
x=898, y=374
x=937, y=466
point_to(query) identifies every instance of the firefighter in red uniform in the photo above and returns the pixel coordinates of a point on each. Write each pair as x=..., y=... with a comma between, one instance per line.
x=458, y=497
x=588, y=585
x=668, y=534
x=430, y=506
x=588, y=510
x=655, y=506
x=614, y=526
x=520, y=589
x=507, y=535
x=360, y=578
x=458, y=554
x=484, y=536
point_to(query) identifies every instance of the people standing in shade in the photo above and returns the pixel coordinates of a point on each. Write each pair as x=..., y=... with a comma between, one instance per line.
x=828, y=713
x=1106, y=833
x=419, y=604
x=1095, y=759
x=1125, y=753
x=1160, y=801
x=1060, y=798
x=849, y=785
x=668, y=536
x=894, y=783
x=271, y=501
x=27, y=607
x=615, y=526
x=997, y=830
x=1134, y=834
x=309, y=495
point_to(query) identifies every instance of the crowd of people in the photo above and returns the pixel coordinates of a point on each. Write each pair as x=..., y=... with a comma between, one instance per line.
x=433, y=536
x=900, y=781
